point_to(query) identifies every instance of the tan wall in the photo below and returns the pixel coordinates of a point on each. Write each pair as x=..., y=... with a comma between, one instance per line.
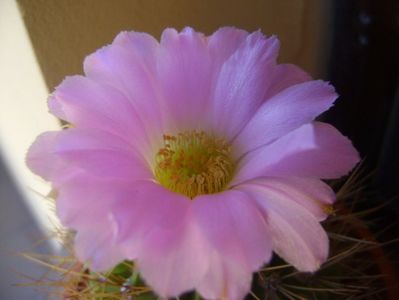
x=63, y=32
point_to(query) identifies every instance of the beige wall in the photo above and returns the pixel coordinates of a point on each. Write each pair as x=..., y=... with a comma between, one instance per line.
x=63, y=32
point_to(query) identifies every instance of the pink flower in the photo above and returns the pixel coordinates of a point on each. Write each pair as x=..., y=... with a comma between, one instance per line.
x=196, y=157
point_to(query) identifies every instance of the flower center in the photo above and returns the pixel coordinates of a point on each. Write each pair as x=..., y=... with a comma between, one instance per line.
x=194, y=163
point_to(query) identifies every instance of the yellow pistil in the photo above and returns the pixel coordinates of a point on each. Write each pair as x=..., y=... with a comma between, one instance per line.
x=193, y=163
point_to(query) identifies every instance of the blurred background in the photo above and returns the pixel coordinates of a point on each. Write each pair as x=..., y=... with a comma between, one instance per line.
x=353, y=44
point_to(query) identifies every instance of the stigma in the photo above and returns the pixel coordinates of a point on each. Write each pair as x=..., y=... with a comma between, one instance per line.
x=193, y=163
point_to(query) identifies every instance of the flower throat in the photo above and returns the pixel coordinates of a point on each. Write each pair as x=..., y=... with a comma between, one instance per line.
x=193, y=163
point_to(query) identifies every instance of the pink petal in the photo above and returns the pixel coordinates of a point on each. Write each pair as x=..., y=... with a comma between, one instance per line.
x=88, y=104
x=84, y=200
x=42, y=160
x=225, y=279
x=101, y=154
x=312, y=194
x=234, y=227
x=296, y=234
x=140, y=44
x=284, y=76
x=84, y=203
x=100, y=236
x=315, y=150
x=314, y=188
x=155, y=227
x=174, y=260
x=286, y=111
x=239, y=241
x=214, y=282
x=185, y=75
x=224, y=42
x=147, y=206
x=242, y=83
x=133, y=72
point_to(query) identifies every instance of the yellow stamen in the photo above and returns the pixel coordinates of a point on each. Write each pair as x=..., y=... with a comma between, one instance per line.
x=193, y=163
x=328, y=209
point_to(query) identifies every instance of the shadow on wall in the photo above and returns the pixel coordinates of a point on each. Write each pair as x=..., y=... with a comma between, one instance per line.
x=19, y=232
